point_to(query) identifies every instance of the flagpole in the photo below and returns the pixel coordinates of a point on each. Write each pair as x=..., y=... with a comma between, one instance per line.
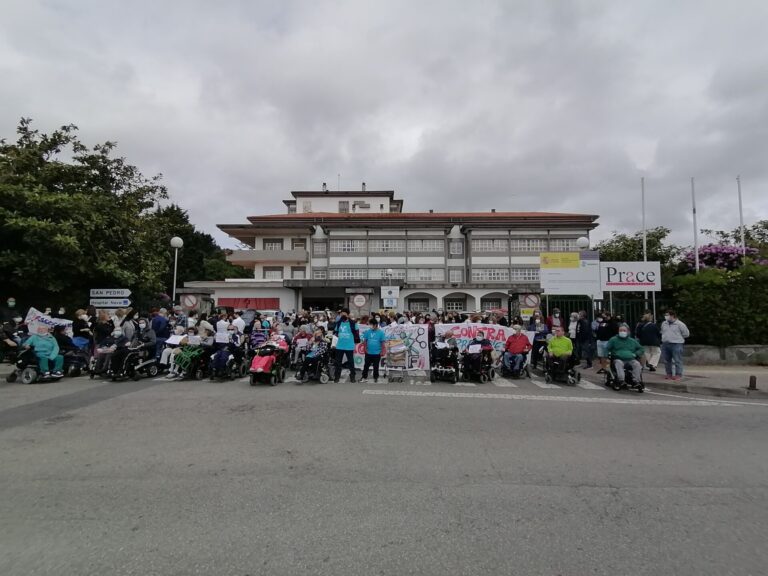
x=695, y=227
x=645, y=236
x=741, y=224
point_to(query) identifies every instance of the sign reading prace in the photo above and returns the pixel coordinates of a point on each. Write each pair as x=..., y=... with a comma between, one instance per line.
x=630, y=276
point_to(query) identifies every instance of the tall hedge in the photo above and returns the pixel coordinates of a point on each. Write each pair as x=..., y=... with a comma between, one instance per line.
x=724, y=307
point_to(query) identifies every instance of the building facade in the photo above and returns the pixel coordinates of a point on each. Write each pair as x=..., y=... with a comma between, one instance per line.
x=338, y=248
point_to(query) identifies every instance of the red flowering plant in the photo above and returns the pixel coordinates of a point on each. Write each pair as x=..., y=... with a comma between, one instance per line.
x=722, y=256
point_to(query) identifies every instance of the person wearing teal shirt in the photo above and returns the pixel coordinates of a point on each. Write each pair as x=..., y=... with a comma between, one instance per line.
x=46, y=350
x=373, y=340
x=346, y=332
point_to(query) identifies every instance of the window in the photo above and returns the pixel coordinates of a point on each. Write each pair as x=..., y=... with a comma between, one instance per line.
x=381, y=274
x=319, y=274
x=347, y=245
x=273, y=244
x=386, y=245
x=426, y=245
x=562, y=244
x=525, y=274
x=490, y=303
x=306, y=206
x=454, y=304
x=528, y=244
x=426, y=274
x=298, y=272
x=490, y=274
x=291, y=208
x=348, y=273
x=489, y=245
x=457, y=247
x=271, y=273
x=418, y=304
x=298, y=243
x=343, y=206
x=456, y=275
x=319, y=248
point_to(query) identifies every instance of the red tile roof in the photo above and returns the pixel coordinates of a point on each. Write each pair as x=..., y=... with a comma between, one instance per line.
x=420, y=215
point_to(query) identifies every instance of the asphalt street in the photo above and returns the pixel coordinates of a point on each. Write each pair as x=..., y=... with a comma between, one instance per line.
x=179, y=478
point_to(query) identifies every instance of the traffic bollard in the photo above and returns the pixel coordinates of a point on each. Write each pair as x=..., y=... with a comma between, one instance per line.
x=753, y=382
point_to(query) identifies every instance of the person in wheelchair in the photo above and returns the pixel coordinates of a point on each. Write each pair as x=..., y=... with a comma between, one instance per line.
x=315, y=354
x=478, y=351
x=559, y=353
x=625, y=351
x=515, y=350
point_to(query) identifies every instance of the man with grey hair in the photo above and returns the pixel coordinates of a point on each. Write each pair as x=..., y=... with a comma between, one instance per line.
x=625, y=351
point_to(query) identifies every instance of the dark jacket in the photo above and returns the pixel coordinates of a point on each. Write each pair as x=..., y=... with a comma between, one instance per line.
x=583, y=330
x=147, y=338
x=161, y=327
x=648, y=334
x=607, y=330
x=102, y=331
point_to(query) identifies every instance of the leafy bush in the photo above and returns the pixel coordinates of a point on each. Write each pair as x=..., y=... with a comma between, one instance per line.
x=724, y=256
x=724, y=307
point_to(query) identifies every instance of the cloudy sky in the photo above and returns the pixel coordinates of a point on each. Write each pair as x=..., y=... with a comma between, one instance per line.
x=539, y=105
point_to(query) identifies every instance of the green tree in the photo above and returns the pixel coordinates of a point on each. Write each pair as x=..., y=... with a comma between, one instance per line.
x=71, y=218
x=755, y=236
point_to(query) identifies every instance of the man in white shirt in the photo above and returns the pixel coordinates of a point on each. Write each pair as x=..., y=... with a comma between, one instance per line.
x=223, y=323
x=238, y=322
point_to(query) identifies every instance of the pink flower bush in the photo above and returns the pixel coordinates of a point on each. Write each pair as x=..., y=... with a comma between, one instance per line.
x=722, y=256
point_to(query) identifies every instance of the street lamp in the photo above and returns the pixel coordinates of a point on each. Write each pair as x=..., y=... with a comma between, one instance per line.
x=389, y=274
x=176, y=243
x=582, y=242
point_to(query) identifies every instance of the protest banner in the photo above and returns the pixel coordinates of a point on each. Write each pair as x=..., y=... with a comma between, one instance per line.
x=415, y=339
x=36, y=321
x=465, y=333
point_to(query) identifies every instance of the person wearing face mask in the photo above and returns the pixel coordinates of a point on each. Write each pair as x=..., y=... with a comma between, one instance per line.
x=146, y=338
x=673, y=335
x=107, y=348
x=9, y=311
x=649, y=336
x=625, y=351
x=318, y=349
x=573, y=323
x=540, y=333
x=345, y=330
x=584, y=339
x=102, y=328
x=47, y=352
x=81, y=327
x=515, y=350
x=607, y=328
x=373, y=345
x=555, y=320
x=473, y=360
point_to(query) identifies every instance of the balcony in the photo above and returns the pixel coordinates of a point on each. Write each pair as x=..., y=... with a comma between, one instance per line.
x=251, y=257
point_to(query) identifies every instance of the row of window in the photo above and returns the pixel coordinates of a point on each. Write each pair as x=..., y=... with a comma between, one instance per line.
x=455, y=275
x=456, y=247
x=452, y=304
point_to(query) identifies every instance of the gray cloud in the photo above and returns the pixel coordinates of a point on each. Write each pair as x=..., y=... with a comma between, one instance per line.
x=507, y=105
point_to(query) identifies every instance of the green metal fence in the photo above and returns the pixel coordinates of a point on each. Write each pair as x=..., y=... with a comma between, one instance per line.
x=630, y=308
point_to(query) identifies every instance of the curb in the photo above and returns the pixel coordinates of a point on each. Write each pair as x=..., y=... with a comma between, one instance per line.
x=707, y=390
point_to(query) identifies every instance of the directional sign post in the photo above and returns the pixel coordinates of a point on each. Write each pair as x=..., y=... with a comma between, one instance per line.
x=110, y=302
x=110, y=293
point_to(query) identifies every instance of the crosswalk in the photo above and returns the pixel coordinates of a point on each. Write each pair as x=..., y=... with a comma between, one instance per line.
x=497, y=382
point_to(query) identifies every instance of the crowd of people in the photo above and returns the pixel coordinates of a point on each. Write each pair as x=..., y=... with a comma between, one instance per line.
x=572, y=335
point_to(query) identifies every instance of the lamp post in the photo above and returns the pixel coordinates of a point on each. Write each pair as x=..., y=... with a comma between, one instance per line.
x=176, y=243
x=582, y=243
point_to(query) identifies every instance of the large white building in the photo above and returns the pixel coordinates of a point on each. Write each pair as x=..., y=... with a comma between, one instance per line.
x=338, y=248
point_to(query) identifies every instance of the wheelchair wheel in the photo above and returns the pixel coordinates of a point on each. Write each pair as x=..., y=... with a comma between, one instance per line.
x=153, y=370
x=491, y=374
x=571, y=380
x=253, y=380
x=616, y=385
x=547, y=377
x=324, y=378
x=273, y=379
x=483, y=378
x=29, y=375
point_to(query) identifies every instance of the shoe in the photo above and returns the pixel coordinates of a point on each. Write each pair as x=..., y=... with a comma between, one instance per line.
x=259, y=369
x=677, y=377
x=668, y=377
x=375, y=381
x=601, y=371
x=362, y=380
x=335, y=381
x=351, y=380
x=589, y=364
x=46, y=375
x=651, y=368
x=58, y=374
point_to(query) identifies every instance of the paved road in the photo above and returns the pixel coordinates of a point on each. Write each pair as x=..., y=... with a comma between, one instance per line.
x=179, y=478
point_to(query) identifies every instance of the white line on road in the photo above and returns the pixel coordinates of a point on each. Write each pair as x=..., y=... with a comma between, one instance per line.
x=460, y=383
x=581, y=399
x=723, y=401
x=587, y=385
x=542, y=384
x=504, y=384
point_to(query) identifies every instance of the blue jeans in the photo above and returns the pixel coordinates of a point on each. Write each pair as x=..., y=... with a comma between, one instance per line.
x=672, y=354
x=508, y=360
x=159, y=346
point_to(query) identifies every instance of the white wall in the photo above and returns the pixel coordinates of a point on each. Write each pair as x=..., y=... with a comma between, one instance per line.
x=330, y=203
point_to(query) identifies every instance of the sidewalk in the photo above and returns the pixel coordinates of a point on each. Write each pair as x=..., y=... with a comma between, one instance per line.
x=707, y=380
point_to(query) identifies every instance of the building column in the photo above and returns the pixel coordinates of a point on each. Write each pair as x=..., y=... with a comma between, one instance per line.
x=299, y=299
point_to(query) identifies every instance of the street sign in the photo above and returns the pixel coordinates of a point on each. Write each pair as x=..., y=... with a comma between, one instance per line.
x=189, y=301
x=110, y=302
x=110, y=293
x=390, y=291
x=390, y=302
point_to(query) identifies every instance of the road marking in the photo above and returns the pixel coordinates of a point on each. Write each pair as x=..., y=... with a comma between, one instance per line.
x=714, y=401
x=460, y=383
x=581, y=399
x=504, y=384
x=542, y=384
x=587, y=385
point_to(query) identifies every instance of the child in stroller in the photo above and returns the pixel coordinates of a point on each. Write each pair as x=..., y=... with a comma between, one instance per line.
x=444, y=360
x=315, y=364
x=559, y=360
x=477, y=361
